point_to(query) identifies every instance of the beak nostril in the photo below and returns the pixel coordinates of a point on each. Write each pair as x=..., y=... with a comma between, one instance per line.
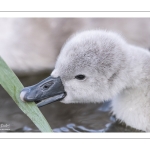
x=47, y=85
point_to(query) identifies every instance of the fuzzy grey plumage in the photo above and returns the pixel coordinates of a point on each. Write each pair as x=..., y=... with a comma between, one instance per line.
x=114, y=70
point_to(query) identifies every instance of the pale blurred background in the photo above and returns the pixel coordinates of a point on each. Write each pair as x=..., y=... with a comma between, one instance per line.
x=30, y=46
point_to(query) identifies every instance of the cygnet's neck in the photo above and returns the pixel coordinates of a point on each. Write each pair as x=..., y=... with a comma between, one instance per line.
x=132, y=104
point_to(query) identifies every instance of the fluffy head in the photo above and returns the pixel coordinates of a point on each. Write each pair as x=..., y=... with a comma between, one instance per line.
x=99, y=55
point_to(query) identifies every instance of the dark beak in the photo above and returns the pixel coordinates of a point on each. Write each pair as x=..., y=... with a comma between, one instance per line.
x=47, y=91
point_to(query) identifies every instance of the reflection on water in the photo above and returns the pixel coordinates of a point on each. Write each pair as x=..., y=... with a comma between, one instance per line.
x=61, y=117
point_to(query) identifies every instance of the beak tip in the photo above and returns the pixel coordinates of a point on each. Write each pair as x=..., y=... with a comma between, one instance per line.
x=22, y=95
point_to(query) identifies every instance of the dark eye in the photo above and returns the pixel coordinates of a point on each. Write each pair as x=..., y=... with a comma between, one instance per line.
x=80, y=77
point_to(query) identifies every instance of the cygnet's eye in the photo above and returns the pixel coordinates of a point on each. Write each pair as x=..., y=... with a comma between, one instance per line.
x=80, y=77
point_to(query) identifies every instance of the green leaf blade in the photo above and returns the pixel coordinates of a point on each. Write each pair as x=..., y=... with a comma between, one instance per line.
x=13, y=86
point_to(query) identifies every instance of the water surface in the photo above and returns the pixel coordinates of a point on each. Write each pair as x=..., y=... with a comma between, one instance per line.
x=61, y=117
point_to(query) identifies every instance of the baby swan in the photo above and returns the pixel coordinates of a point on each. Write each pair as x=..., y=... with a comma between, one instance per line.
x=94, y=66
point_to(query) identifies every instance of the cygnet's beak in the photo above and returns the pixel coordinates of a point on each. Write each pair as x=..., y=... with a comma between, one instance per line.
x=47, y=91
